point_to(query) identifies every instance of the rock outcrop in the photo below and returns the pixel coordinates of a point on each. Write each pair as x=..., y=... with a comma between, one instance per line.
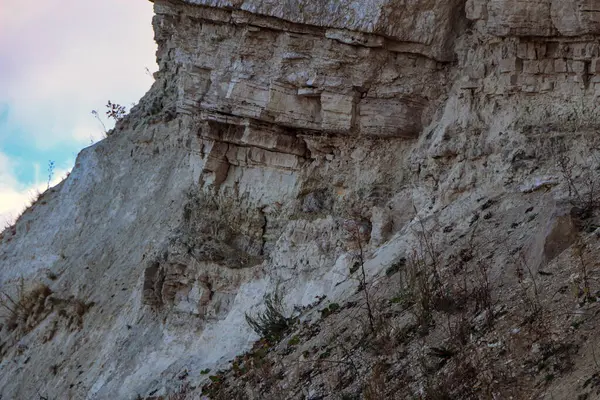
x=280, y=141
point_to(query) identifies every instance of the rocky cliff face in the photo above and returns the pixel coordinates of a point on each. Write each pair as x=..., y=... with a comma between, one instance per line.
x=288, y=146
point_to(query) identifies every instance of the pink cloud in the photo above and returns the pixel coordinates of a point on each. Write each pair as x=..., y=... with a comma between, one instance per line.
x=59, y=59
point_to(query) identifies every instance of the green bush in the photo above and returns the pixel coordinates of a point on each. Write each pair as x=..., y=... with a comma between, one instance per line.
x=270, y=324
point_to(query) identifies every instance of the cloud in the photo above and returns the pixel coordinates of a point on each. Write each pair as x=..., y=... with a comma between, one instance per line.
x=59, y=59
x=14, y=197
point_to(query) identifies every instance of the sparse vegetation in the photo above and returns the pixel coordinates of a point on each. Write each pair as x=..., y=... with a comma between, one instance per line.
x=330, y=309
x=448, y=309
x=222, y=231
x=375, y=388
x=114, y=111
x=418, y=292
x=439, y=317
x=583, y=191
x=10, y=226
x=26, y=307
x=51, y=166
x=358, y=234
x=584, y=290
x=271, y=324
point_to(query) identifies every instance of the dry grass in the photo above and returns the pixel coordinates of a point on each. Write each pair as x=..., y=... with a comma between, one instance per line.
x=375, y=388
x=10, y=225
x=26, y=308
x=29, y=306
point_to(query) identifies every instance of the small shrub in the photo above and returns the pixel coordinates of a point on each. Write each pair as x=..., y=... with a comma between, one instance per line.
x=419, y=290
x=51, y=275
x=330, y=309
x=115, y=111
x=294, y=341
x=270, y=324
x=395, y=267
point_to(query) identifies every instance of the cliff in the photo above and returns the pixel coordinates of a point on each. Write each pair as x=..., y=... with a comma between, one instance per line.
x=415, y=181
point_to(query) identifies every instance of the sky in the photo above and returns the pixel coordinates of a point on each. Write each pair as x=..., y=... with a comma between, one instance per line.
x=59, y=60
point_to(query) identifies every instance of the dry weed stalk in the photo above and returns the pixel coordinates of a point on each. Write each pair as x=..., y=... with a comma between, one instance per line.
x=357, y=234
x=579, y=249
x=375, y=388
